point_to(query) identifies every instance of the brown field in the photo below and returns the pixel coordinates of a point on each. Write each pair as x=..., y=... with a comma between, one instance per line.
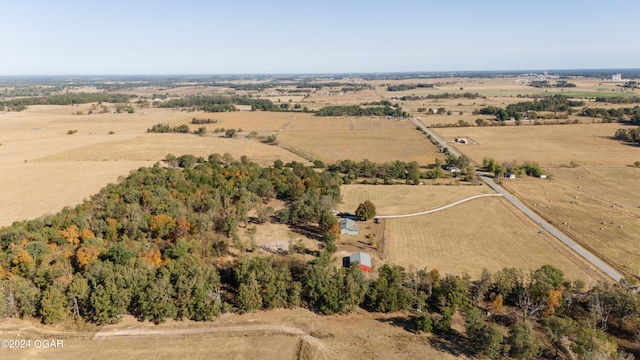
x=379, y=140
x=483, y=233
x=405, y=199
x=44, y=169
x=598, y=206
x=259, y=121
x=260, y=335
x=549, y=145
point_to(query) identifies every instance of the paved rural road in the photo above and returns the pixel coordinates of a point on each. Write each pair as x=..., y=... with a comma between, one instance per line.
x=437, y=209
x=434, y=137
x=593, y=259
x=555, y=232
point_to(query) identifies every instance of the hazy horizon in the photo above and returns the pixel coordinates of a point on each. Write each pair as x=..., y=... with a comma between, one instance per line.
x=285, y=37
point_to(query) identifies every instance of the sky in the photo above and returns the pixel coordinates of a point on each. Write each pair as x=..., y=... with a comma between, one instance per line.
x=95, y=37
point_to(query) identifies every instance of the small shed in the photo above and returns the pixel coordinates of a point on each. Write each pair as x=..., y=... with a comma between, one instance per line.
x=509, y=175
x=362, y=259
x=349, y=227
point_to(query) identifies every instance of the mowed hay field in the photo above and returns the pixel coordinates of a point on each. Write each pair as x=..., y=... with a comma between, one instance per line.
x=483, y=233
x=549, y=145
x=597, y=206
x=380, y=140
x=43, y=169
x=406, y=199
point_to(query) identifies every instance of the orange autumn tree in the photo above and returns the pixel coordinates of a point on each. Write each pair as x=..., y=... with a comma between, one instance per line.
x=85, y=254
x=87, y=234
x=153, y=257
x=70, y=235
x=23, y=263
x=161, y=225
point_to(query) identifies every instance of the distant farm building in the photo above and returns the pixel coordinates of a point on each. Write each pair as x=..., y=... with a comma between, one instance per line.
x=509, y=175
x=349, y=227
x=363, y=260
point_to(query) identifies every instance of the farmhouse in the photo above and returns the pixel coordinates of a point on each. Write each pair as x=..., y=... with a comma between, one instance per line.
x=349, y=227
x=363, y=260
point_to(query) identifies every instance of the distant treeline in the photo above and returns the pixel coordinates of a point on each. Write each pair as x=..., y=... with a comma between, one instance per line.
x=403, y=87
x=211, y=103
x=618, y=114
x=619, y=99
x=355, y=110
x=549, y=84
x=65, y=99
x=466, y=95
x=197, y=121
x=517, y=110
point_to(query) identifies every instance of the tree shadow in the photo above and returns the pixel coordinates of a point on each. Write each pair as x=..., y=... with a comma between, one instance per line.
x=307, y=230
x=452, y=343
x=407, y=323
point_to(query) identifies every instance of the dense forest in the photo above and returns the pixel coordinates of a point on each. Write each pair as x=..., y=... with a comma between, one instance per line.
x=174, y=242
x=356, y=110
x=404, y=87
x=446, y=95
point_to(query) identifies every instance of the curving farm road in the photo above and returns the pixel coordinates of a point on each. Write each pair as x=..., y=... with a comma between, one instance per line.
x=436, y=209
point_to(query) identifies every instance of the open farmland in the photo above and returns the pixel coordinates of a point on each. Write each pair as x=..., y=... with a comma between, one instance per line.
x=598, y=206
x=549, y=145
x=379, y=140
x=483, y=233
x=44, y=169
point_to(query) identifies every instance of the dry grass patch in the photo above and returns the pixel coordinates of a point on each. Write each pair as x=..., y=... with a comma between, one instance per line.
x=599, y=207
x=359, y=335
x=484, y=233
x=155, y=147
x=405, y=199
x=379, y=140
x=259, y=121
x=549, y=145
